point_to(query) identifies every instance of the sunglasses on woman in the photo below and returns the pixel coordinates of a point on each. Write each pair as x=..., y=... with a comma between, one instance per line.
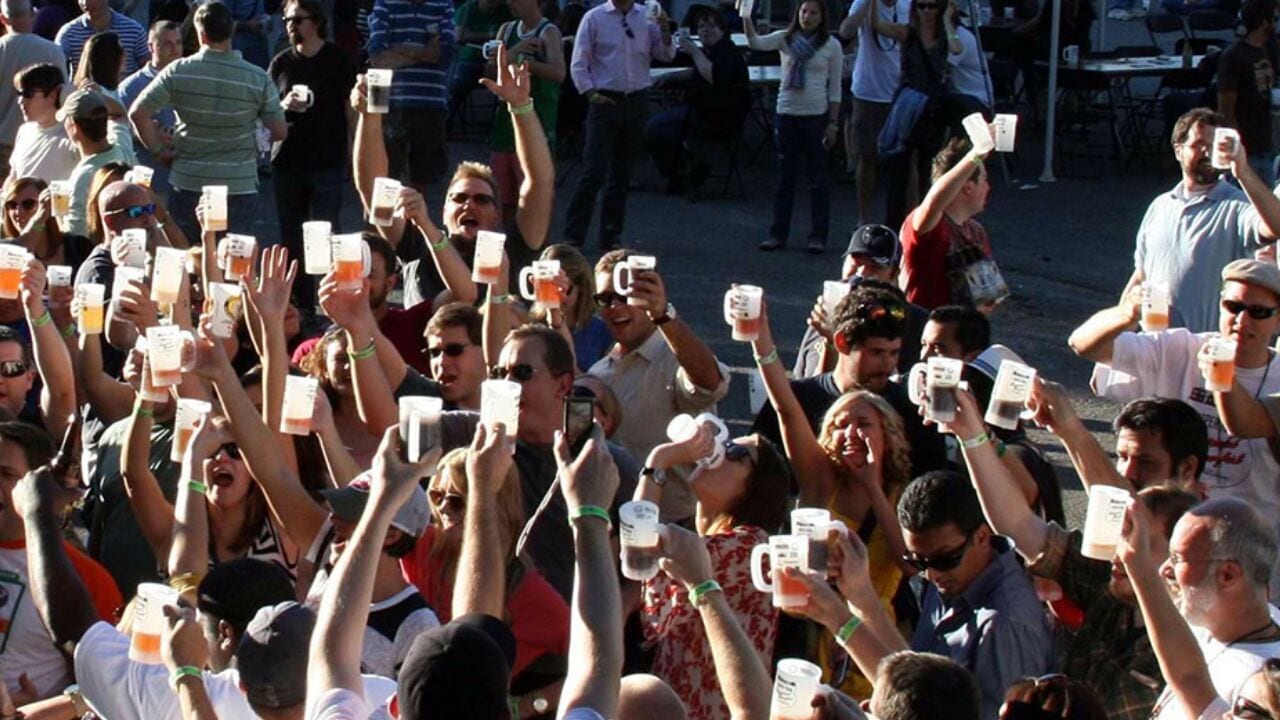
x=944, y=562
x=447, y=500
x=231, y=450
x=1246, y=709
x=28, y=204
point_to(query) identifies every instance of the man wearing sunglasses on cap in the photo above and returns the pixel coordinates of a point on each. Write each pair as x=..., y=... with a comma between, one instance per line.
x=1173, y=364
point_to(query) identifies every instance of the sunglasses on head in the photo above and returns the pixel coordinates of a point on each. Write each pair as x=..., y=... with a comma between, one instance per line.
x=28, y=204
x=944, y=562
x=1257, y=312
x=461, y=198
x=13, y=368
x=442, y=499
x=231, y=449
x=520, y=372
x=737, y=451
x=1246, y=709
x=134, y=211
x=608, y=298
x=448, y=349
x=875, y=311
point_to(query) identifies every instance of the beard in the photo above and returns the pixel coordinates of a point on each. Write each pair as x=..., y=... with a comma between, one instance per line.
x=1204, y=173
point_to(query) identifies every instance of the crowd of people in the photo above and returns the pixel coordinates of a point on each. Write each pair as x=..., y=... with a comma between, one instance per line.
x=239, y=479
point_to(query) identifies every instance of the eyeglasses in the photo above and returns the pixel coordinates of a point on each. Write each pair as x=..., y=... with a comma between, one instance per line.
x=134, y=211
x=627, y=28
x=28, y=204
x=521, y=372
x=1246, y=709
x=943, y=562
x=447, y=500
x=231, y=449
x=1257, y=312
x=607, y=298
x=13, y=368
x=449, y=350
x=295, y=19
x=482, y=199
x=1178, y=559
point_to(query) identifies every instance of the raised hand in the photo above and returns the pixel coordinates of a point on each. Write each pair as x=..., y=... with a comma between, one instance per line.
x=591, y=478
x=211, y=356
x=824, y=607
x=269, y=296
x=849, y=565
x=136, y=306
x=349, y=309
x=183, y=643
x=512, y=85
x=489, y=460
x=33, y=282
x=684, y=556
x=392, y=479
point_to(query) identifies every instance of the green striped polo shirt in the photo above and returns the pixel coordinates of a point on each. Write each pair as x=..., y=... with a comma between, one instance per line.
x=216, y=96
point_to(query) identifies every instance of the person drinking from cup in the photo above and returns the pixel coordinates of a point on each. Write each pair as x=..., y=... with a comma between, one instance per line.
x=740, y=503
x=658, y=367
x=28, y=218
x=1180, y=364
x=591, y=339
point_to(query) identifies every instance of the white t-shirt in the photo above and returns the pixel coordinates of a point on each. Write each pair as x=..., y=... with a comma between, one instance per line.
x=382, y=655
x=1229, y=667
x=121, y=689
x=338, y=704
x=1164, y=364
x=26, y=645
x=47, y=154
x=969, y=74
x=877, y=70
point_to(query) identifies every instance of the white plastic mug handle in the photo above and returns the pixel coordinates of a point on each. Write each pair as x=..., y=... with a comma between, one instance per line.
x=757, y=575
x=916, y=379
x=189, y=351
x=618, y=286
x=366, y=260
x=730, y=307
x=526, y=287
x=837, y=526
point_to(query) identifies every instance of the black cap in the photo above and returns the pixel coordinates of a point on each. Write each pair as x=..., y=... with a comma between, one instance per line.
x=459, y=670
x=878, y=242
x=272, y=657
x=234, y=591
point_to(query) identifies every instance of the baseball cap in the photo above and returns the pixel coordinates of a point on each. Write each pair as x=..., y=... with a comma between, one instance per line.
x=348, y=503
x=234, y=591
x=82, y=105
x=1254, y=272
x=458, y=670
x=877, y=241
x=272, y=657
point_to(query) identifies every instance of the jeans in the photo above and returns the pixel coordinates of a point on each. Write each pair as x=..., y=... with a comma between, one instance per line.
x=415, y=140
x=241, y=211
x=799, y=138
x=665, y=135
x=303, y=195
x=463, y=78
x=614, y=132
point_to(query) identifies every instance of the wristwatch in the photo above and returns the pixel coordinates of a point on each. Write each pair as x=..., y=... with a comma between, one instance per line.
x=659, y=477
x=78, y=703
x=540, y=705
x=667, y=316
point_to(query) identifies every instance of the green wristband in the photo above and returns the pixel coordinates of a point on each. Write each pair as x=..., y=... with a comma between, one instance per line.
x=68, y=331
x=593, y=511
x=846, y=631
x=184, y=671
x=499, y=299
x=366, y=353
x=524, y=109
x=767, y=358
x=143, y=411
x=198, y=487
x=975, y=442
x=700, y=591
x=43, y=320
x=442, y=244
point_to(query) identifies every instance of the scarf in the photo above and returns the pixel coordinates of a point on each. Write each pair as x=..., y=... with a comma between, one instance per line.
x=802, y=51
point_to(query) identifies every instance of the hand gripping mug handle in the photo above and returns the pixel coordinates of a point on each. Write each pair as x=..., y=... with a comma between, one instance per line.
x=730, y=307
x=837, y=526
x=618, y=286
x=189, y=351
x=366, y=260
x=757, y=576
x=916, y=379
x=526, y=290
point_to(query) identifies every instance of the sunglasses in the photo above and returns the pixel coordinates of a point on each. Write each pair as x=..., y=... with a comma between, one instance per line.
x=1246, y=709
x=452, y=350
x=736, y=451
x=876, y=311
x=474, y=199
x=945, y=562
x=1257, y=312
x=28, y=204
x=521, y=372
x=231, y=449
x=296, y=19
x=608, y=298
x=134, y=211
x=627, y=28
x=447, y=500
x=13, y=368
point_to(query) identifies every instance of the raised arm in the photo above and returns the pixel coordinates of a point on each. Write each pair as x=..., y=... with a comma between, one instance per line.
x=1053, y=411
x=110, y=398
x=53, y=362
x=376, y=376
x=496, y=322
x=267, y=297
x=189, y=550
x=945, y=189
x=369, y=159
x=857, y=16
x=481, y=577
x=1095, y=338
x=897, y=31
x=595, y=632
x=153, y=512
x=1259, y=194
x=533, y=211
x=695, y=358
x=1243, y=415
x=183, y=645
x=452, y=268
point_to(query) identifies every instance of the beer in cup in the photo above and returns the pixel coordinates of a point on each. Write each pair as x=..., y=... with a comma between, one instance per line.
x=133, y=244
x=420, y=425
x=59, y=275
x=140, y=175
x=299, y=404
x=1006, y=125
x=1009, y=396
x=166, y=275
x=638, y=531
x=816, y=524
x=833, y=291
x=185, y=418
x=1104, y=520
x=382, y=208
x=224, y=309
x=1155, y=306
x=628, y=269
x=302, y=93
x=237, y=255
x=90, y=298
x=351, y=261
x=1222, y=367
x=146, y=390
x=794, y=688
x=213, y=198
x=543, y=274
x=500, y=403
x=979, y=133
x=784, y=551
x=60, y=198
x=683, y=427
x=167, y=346
x=124, y=276
x=742, y=311
x=148, y=621
x=488, y=257
x=935, y=381
x=316, y=251
x=13, y=260
x=379, y=89
x=1227, y=139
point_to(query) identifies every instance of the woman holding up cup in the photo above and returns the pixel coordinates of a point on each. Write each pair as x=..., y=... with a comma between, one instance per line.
x=591, y=339
x=28, y=218
x=854, y=467
x=741, y=502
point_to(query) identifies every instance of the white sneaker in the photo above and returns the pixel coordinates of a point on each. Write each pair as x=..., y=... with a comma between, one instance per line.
x=1118, y=14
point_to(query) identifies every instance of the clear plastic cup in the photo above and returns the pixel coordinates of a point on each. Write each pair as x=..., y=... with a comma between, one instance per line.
x=500, y=403
x=59, y=275
x=146, y=390
x=303, y=94
x=213, y=198
x=488, y=257
x=1222, y=368
x=13, y=260
x=378, y=82
x=186, y=416
x=934, y=382
x=979, y=133
x=140, y=175
x=133, y=242
x=148, y=622
x=60, y=198
x=170, y=350
x=627, y=269
x=742, y=311
x=352, y=261
x=382, y=208
x=794, y=688
x=236, y=252
x=316, y=247
x=1222, y=158
x=299, y=404
x=125, y=275
x=638, y=533
x=833, y=291
x=420, y=425
x=541, y=275
x=1006, y=125
x=1155, y=306
x=166, y=275
x=91, y=297
x=1010, y=394
x=816, y=524
x=1103, y=521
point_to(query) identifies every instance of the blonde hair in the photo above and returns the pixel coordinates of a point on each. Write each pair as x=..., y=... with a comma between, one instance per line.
x=472, y=170
x=578, y=269
x=896, y=460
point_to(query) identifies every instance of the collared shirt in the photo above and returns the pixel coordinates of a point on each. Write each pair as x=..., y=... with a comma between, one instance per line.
x=132, y=86
x=652, y=388
x=1186, y=240
x=1111, y=652
x=217, y=96
x=996, y=628
x=133, y=38
x=405, y=22
x=605, y=57
x=81, y=179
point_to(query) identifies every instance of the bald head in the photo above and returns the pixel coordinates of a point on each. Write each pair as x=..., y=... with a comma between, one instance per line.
x=114, y=201
x=644, y=696
x=1238, y=532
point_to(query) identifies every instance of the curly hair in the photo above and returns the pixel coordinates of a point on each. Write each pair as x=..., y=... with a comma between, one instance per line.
x=897, y=461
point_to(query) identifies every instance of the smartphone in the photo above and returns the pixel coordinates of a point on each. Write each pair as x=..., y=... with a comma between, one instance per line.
x=579, y=420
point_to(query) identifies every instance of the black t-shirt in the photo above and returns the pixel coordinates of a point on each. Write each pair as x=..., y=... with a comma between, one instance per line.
x=421, y=279
x=817, y=394
x=925, y=69
x=317, y=137
x=724, y=101
x=1250, y=72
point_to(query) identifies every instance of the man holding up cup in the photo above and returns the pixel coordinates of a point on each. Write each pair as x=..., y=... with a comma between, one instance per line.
x=1177, y=364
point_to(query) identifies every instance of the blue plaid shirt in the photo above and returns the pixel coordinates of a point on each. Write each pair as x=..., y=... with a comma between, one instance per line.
x=396, y=22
